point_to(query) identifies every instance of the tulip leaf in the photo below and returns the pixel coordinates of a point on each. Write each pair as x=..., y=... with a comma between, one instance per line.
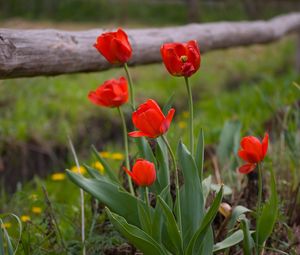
x=145, y=218
x=248, y=242
x=230, y=241
x=268, y=214
x=136, y=236
x=157, y=219
x=94, y=173
x=200, y=154
x=168, y=105
x=146, y=151
x=171, y=225
x=191, y=195
x=206, y=184
x=229, y=141
x=110, y=173
x=236, y=213
x=163, y=176
x=111, y=195
x=198, y=237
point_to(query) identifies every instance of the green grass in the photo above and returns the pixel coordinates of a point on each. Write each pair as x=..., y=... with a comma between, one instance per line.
x=35, y=107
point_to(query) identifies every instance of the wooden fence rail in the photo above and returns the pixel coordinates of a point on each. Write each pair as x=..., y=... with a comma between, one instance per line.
x=25, y=53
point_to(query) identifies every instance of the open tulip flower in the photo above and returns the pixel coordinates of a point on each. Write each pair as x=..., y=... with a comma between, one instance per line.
x=252, y=151
x=181, y=59
x=112, y=93
x=150, y=120
x=114, y=46
x=143, y=173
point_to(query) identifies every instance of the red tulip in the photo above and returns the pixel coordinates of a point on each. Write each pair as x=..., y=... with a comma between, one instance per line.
x=111, y=93
x=114, y=46
x=181, y=59
x=150, y=120
x=253, y=151
x=143, y=173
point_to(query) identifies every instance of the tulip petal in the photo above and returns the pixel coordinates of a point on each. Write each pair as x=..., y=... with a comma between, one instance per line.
x=138, y=134
x=120, y=50
x=248, y=156
x=166, y=123
x=247, y=168
x=265, y=143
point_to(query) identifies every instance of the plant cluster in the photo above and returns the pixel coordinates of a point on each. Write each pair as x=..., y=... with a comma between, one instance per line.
x=166, y=211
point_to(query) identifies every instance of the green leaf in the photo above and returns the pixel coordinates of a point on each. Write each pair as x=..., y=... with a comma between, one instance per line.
x=163, y=174
x=191, y=195
x=206, y=184
x=136, y=236
x=227, y=146
x=145, y=218
x=230, y=241
x=1, y=238
x=7, y=237
x=268, y=215
x=111, y=195
x=110, y=173
x=94, y=173
x=200, y=154
x=157, y=219
x=172, y=227
x=206, y=222
x=145, y=150
x=236, y=213
x=169, y=104
x=248, y=242
x=227, y=190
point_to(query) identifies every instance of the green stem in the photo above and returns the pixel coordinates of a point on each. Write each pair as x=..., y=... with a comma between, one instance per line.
x=147, y=196
x=260, y=188
x=131, y=92
x=191, y=115
x=176, y=180
x=126, y=149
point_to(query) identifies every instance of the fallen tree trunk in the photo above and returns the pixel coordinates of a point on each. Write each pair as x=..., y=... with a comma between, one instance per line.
x=25, y=53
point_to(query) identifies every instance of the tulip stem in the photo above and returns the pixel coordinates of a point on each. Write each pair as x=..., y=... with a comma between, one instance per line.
x=131, y=92
x=191, y=113
x=259, y=199
x=147, y=196
x=126, y=149
x=176, y=180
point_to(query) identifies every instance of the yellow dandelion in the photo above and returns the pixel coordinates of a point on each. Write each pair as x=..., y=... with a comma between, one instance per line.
x=33, y=197
x=25, y=218
x=105, y=154
x=36, y=210
x=185, y=114
x=81, y=169
x=97, y=165
x=58, y=176
x=182, y=124
x=117, y=156
x=6, y=225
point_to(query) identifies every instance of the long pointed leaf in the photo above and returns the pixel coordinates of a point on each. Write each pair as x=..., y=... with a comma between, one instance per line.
x=111, y=174
x=269, y=214
x=111, y=195
x=171, y=225
x=200, y=154
x=136, y=236
x=208, y=218
x=191, y=195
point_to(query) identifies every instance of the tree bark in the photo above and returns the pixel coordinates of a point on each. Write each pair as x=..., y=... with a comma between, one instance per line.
x=25, y=53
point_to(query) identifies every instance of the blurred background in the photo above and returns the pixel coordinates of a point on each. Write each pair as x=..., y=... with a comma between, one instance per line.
x=38, y=113
x=238, y=91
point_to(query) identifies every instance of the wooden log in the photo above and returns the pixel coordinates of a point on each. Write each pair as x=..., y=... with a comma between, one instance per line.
x=25, y=53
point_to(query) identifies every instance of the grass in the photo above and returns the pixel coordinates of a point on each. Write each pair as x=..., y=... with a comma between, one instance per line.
x=31, y=107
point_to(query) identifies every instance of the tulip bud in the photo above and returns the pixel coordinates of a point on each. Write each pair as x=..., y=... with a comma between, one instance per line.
x=225, y=209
